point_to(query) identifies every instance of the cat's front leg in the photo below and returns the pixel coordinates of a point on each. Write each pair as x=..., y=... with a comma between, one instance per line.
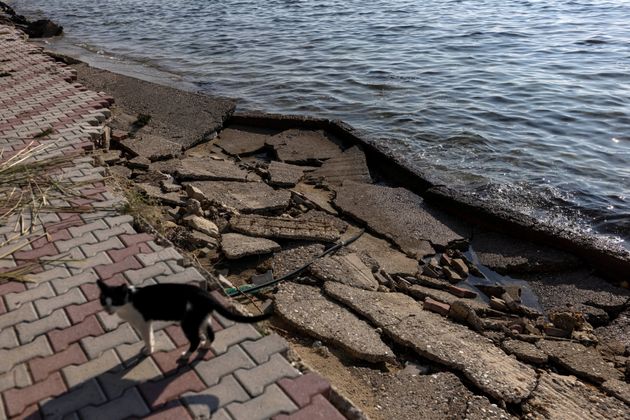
x=146, y=332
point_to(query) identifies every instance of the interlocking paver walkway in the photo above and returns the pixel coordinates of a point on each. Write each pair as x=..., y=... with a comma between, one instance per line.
x=61, y=356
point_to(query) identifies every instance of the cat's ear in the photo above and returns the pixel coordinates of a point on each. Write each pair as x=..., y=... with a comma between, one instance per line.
x=101, y=285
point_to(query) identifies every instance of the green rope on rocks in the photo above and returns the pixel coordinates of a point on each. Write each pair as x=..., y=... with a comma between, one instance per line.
x=251, y=289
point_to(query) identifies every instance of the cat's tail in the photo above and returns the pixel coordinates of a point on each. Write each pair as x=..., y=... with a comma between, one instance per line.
x=238, y=317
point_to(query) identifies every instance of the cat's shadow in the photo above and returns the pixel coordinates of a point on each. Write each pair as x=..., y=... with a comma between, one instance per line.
x=57, y=407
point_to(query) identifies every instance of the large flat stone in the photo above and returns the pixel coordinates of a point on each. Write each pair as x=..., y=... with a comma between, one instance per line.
x=505, y=255
x=440, y=340
x=397, y=214
x=204, y=169
x=240, y=141
x=566, y=397
x=388, y=258
x=246, y=197
x=351, y=165
x=584, y=362
x=151, y=147
x=292, y=258
x=309, y=311
x=558, y=290
x=304, y=146
x=285, y=228
x=155, y=193
x=237, y=246
x=346, y=269
x=285, y=175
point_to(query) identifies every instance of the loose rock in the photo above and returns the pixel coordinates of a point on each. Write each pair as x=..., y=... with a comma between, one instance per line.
x=237, y=246
x=174, y=199
x=309, y=311
x=397, y=214
x=421, y=292
x=440, y=340
x=202, y=225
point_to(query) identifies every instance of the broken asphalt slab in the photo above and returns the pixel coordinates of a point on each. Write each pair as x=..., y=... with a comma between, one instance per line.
x=151, y=147
x=304, y=146
x=309, y=311
x=397, y=214
x=389, y=259
x=314, y=229
x=441, y=341
x=293, y=257
x=566, y=397
x=347, y=269
x=245, y=197
x=285, y=175
x=241, y=141
x=204, y=169
x=351, y=165
x=237, y=246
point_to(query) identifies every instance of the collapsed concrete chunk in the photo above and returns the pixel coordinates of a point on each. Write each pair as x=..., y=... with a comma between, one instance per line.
x=151, y=147
x=584, y=362
x=618, y=330
x=440, y=340
x=524, y=351
x=239, y=141
x=421, y=292
x=310, y=312
x=304, y=146
x=351, y=165
x=388, y=259
x=397, y=214
x=202, y=225
x=346, y=269
x=204, y=169
x=565, y=397
x=290, y=259
x=284, y=175
x=285, y=228
x=246, y=197
x=237, y=246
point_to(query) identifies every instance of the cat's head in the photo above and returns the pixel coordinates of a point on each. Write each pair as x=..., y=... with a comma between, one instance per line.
x=113, y=297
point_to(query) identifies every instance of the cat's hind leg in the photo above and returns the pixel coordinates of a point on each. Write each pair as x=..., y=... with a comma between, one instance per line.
x=207, y=333
x=191, y=327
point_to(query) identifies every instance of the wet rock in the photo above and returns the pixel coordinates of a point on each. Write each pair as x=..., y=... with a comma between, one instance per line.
x=304, y=146
x=202, y=225
x=584, y=362
x=204, y=169
x=151, y=147
x=421, y=292
x=618, y=389
x=285, y=228
x=318, y=196
x=527, y=352
x=565, y=397
x=237, y=246
x=346, y=269
x=43, y=28
x=285, y=175
x=153, y=192
x=618, y=330
x=351, y=165
x=310, y=312
x=574, y=288
x=397, y=214
x=389, y=259
x=245, y=197
x=240, y=141
x=441, y=341
x=460, y=267
x=505, y=255
x=292, y=258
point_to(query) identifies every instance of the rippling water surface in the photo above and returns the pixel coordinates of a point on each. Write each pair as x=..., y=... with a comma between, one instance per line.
x=526, y=102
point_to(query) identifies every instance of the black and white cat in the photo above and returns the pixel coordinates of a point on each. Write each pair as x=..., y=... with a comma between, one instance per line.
x=188, y=304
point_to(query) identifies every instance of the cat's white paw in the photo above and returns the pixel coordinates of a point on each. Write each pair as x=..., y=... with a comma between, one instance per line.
x=147, y=351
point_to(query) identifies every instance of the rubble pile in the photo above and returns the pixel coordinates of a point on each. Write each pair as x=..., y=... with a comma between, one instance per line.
x=257, y=205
